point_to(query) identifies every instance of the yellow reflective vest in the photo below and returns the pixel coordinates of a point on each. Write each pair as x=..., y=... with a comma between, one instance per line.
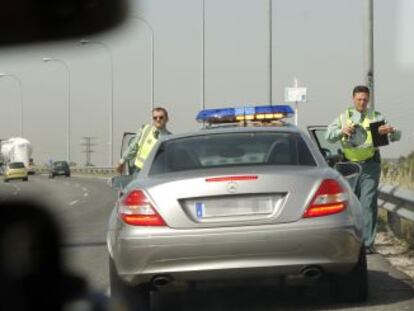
x=364, y=151
x=146, y=143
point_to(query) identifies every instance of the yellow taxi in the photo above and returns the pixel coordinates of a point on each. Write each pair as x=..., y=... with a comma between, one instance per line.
x=15, y=170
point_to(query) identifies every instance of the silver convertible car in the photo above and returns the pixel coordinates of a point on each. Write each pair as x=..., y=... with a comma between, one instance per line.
x=234, y=202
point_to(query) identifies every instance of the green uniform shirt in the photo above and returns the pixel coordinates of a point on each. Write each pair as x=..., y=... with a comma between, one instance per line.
x=132, y=149
x=334, y=132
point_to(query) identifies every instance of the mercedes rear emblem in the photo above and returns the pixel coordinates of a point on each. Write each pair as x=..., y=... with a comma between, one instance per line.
x=232, y=187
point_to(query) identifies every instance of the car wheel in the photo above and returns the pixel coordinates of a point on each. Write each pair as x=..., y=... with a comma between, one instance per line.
x=354, y=286
x=26, y=179
x=6, y=180
x=125, y=296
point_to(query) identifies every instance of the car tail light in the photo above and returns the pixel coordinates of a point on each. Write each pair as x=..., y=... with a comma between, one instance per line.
x=231, y=178
x=135, y=209
x=329, y=199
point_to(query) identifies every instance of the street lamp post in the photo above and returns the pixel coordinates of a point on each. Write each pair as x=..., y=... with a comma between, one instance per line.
x=152, y=57
x=370, y=50
x=111, y=110
x=203, y=57
x=50, y=59
x=270, y=53
x=19, y=82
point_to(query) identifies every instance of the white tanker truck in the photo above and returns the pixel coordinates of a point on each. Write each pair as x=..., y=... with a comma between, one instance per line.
x=17, y=149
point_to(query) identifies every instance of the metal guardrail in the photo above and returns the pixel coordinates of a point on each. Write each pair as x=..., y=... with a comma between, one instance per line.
x=397, y=200
x=87, y=170
x=399, y=204
x=93, y=170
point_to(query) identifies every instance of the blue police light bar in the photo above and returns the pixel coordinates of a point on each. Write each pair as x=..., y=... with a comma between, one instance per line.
x=257, y=113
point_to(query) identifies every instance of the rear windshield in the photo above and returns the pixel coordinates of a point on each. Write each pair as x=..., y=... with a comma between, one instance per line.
x=60, y=164
x=231, y=149
x=16, y=165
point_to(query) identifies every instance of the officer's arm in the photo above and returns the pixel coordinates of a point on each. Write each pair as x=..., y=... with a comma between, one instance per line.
x=334, y=132
x=393, y=136
x=132, y=149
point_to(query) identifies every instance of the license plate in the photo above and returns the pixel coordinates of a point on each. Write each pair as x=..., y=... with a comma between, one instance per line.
x=229, y=207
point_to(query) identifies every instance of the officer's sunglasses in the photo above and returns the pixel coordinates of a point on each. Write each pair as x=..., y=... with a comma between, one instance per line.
x=158, y=117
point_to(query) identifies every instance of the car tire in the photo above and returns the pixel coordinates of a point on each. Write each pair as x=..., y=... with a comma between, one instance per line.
x=6, y=180
x=125, y=296
x=26, y=179
x=352, y=287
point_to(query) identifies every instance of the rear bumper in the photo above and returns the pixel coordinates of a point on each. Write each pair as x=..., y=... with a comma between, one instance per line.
x=191, y=255
x=60, y=173
x=15, y=176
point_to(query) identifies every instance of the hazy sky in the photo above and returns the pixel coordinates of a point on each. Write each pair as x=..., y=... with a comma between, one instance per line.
x=321, y=42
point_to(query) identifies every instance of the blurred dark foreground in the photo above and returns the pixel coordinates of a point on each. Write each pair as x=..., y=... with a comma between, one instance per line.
x=32, y=276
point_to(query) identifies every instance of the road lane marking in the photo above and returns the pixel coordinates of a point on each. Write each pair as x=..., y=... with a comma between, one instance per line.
x=85, y=194
x=16, y=190
x=84, y=189
x=73, y=202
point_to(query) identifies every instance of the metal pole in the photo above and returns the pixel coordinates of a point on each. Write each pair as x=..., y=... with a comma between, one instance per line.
x=296, y=85
x=111, y=108
x=203, y=53
x=19, y=82
x=48, y=59
x=370, y=50
x=152, y=58
x=270, y=52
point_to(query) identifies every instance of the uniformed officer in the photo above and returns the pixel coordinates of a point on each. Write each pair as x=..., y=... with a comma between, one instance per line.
x=145, y=139
x=351, y=128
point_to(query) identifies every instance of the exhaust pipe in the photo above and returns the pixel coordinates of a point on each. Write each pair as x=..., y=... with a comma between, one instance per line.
x=312, y=272
x=161, y=280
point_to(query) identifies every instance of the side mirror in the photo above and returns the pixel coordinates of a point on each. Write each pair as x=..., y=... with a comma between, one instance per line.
x=350, y=171
x=120, y=182
x=331, y=158
x=326, y=153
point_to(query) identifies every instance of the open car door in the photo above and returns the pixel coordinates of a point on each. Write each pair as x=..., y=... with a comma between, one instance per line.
x=119, y=182
x=126, y=141
x=333, y=154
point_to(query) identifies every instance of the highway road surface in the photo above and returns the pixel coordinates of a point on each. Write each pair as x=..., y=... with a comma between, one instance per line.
x=82, y=206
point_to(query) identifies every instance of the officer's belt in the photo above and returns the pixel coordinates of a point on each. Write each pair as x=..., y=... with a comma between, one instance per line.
x=361, y=162
x=375, y=157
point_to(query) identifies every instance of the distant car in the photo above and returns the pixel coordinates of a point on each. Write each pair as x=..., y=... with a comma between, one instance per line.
x=15, y=170
x=235, y=202
x=31, y=168
x=59, y=168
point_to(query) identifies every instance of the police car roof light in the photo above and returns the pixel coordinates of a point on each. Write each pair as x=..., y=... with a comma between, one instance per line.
x=257, y=113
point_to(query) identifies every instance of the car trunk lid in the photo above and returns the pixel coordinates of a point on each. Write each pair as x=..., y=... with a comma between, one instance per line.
x=227, y=197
